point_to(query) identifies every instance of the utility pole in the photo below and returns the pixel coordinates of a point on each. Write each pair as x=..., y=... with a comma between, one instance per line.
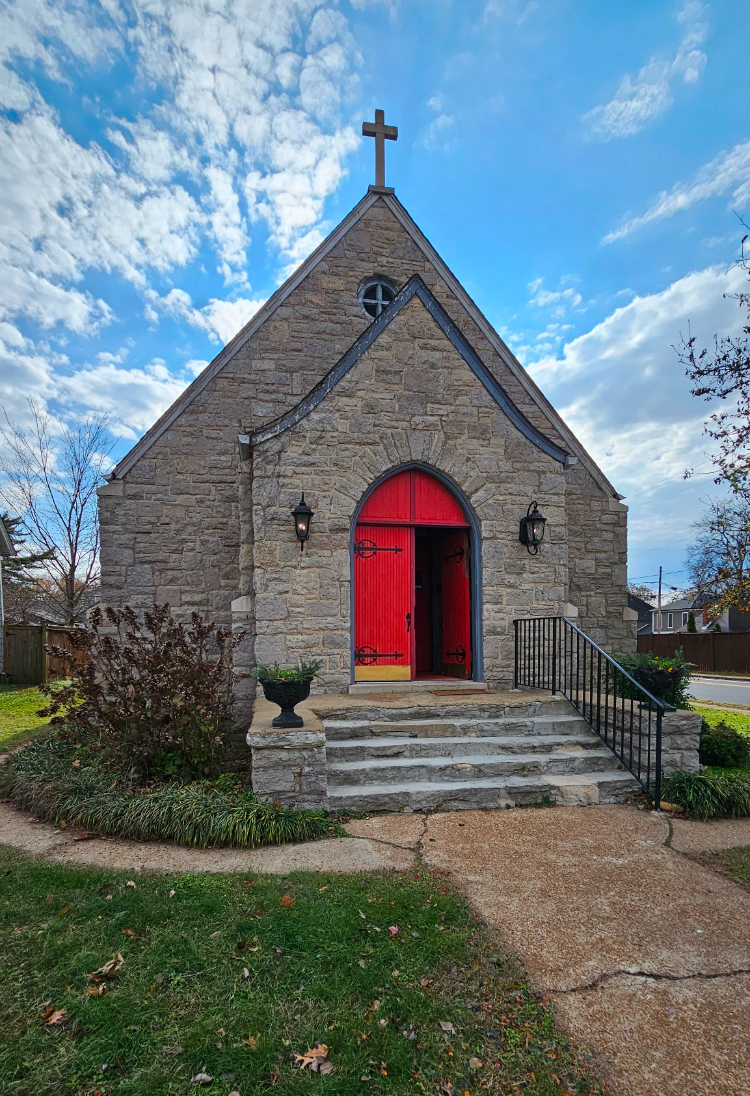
x=658, y=615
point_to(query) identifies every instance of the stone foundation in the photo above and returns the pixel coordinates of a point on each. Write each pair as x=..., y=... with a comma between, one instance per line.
x=680, y=739
x=288, y=766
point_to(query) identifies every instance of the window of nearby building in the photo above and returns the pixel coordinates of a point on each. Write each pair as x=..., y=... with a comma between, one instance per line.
x=376, y=294
x=670, y=620
x=684, y=619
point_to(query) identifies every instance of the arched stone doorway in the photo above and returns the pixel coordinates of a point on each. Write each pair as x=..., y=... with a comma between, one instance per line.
x=416, y=587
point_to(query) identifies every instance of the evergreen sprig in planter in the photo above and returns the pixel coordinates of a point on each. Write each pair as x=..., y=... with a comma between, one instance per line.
x=287, y=688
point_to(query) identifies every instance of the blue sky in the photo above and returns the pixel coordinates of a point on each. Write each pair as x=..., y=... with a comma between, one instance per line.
x=580, y=166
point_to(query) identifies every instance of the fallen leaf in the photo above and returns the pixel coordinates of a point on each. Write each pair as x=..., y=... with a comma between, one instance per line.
x=475, y=1063
x=130, y=883
x=50, y=898
x=201, y=1079
x=96, y=991
x=392, y=930
x=325, y=1067
x=447, y=1026
x=325, y=888
x=314, y=1058
x=55, y=1016
x=215, y=934
x=64, y=910
x=251, y=1041
x=128, y=932
x=363, y=964
x=87, y=835
x=220, y=1031
x=172, y=894
x=287, y=901
x=110, y=968
x=245, y=973
x=77, y=763
x=63, y=824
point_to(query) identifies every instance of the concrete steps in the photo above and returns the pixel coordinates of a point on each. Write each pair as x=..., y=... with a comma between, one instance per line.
x=487, y=751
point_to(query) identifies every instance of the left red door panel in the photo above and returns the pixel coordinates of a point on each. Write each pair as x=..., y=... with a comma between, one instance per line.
x=383, y=609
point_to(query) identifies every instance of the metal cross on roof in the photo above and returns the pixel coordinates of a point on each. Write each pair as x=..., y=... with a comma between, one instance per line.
x=382, y=133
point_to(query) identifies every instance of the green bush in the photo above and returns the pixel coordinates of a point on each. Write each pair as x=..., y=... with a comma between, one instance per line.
x=155, y=692
x=665, y=678
x=710, y=794
x=724, y=746
x=44, y=778
x=306, y=671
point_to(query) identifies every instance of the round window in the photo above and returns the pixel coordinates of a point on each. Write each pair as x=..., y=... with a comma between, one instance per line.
x=376, y=294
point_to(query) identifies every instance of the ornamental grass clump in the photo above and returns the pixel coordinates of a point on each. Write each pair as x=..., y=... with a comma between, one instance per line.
x=60, y=780
x=710, y=794
x=154, y=692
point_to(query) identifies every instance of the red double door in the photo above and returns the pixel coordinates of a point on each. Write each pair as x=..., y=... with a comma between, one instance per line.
x=412, y=582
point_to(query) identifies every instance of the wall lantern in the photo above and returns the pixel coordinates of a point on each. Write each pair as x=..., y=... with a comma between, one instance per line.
x=532, y=529
x=302, y=515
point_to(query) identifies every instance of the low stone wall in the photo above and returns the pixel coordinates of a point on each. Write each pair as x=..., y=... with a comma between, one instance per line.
x=680, y=738
x=288, y=766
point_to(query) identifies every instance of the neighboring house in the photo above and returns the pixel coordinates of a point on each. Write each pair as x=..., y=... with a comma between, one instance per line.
x=644, y=611
x=675, y=616
x=7, y=548
x=371, y=384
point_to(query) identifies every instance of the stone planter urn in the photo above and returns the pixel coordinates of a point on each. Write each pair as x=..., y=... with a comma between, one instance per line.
x=286, y=692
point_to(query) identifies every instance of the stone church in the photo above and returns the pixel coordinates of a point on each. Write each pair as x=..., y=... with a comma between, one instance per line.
x=370, y=391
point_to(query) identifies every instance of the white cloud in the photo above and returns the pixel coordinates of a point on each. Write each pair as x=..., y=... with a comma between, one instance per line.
x=133, y=398
x=558, y=301
x=221, y=319
x=729, y=171
x=437, y=134
x=623, y=391
x=641, y=99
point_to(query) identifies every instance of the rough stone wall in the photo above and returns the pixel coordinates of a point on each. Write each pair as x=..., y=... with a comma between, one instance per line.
x=680, y=742
x=410, y=397
x=172, y=527
x=598, y=562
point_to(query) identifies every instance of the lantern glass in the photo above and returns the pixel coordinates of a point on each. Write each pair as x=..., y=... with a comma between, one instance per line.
x=302, y=515
x=532, y=528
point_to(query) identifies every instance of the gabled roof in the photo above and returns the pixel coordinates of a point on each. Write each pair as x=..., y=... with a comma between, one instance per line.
x=281, y=294
x=415, y=287
x=7, y=547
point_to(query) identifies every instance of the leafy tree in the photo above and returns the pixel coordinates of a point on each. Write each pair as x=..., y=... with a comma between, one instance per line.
x=723, y=372
x=719, y=558
x=49, y=481
x=643, y=592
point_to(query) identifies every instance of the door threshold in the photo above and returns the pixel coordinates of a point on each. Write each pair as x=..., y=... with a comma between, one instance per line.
x=425, y=685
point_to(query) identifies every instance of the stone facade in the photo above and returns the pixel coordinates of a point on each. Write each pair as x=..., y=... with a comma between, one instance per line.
x=680, y=740
x=190, y=523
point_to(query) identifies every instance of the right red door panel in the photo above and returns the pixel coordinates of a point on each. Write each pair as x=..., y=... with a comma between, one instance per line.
x=455, y=567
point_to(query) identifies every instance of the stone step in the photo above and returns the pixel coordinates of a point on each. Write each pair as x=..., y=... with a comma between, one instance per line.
x=566, y=722
x=513, y=791
x=360, y=749
x=476, y=708
x=376, y=772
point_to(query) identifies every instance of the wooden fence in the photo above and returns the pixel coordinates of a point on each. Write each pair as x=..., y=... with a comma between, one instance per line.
x=26, y=660
x=710, y=652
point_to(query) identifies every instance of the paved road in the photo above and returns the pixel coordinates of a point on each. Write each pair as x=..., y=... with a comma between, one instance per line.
x=721, y=689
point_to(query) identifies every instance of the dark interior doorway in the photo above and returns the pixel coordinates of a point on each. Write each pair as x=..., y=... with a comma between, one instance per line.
x=442, y=603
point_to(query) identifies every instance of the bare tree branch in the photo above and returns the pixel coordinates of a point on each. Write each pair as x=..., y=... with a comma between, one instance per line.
x=50, y=482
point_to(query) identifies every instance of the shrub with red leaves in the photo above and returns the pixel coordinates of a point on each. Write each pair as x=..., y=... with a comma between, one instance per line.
x=155, y=692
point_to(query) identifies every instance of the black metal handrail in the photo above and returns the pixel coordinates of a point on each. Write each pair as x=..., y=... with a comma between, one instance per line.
x=553, y=653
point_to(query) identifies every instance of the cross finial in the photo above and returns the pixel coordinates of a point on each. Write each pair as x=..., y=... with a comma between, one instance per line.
x=382, y=133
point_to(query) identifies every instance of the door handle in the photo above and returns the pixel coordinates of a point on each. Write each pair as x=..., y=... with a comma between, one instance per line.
x=408, y=622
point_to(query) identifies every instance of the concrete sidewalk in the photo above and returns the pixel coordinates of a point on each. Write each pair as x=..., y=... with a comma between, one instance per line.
x=643, y=953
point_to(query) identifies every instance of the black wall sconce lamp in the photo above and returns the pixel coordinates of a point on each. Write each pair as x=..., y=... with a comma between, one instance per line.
x=302, y=515
x=532, y=529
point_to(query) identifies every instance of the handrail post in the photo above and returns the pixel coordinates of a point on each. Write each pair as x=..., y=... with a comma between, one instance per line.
x=554, y=655
x=515, y=651
x=657, y=777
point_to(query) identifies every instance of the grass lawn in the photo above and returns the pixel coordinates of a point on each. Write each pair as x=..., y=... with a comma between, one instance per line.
x=18, y=707
x=732, y=862
x=231, y=975
x=739, y=720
